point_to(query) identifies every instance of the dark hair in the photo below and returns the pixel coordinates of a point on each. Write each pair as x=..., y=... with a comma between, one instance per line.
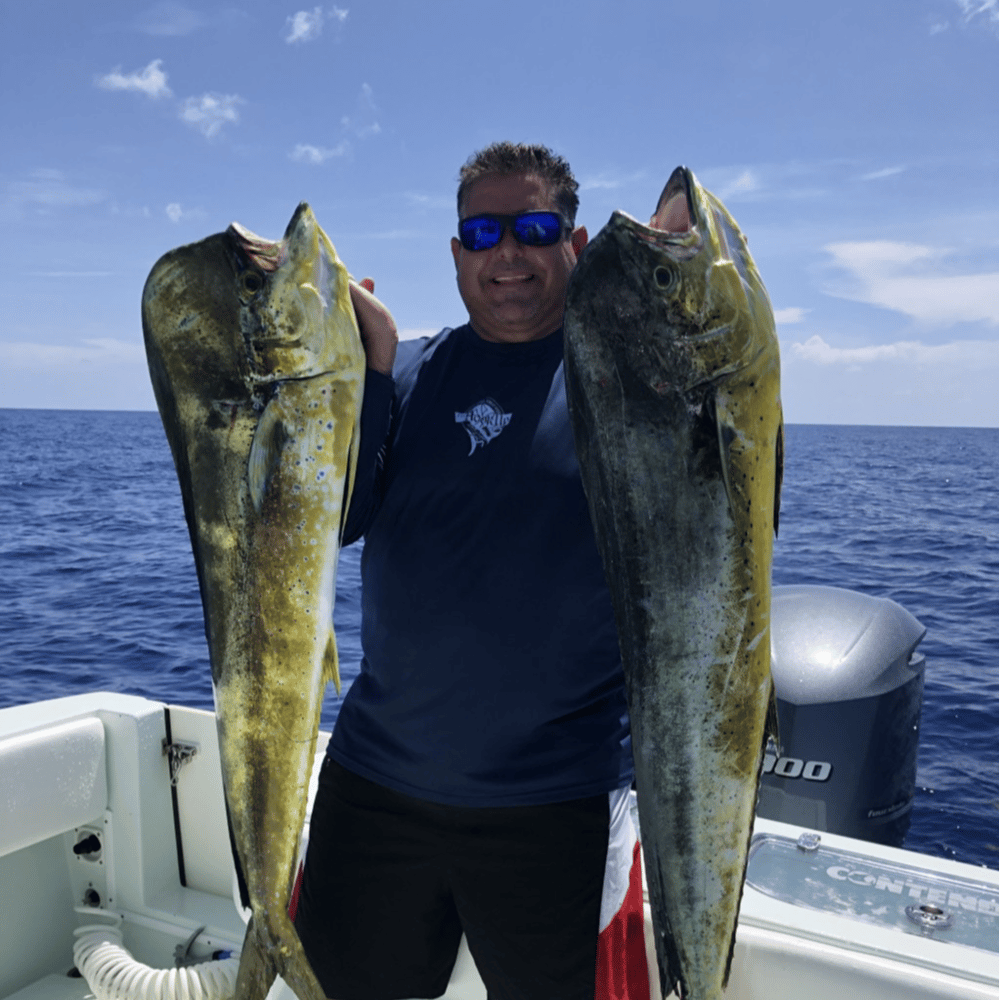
x=506, y=158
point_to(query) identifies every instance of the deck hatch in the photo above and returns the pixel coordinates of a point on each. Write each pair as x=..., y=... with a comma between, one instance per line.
x=874, y=891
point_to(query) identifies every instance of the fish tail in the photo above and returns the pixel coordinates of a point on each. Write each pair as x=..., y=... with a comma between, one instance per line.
x=303, y=981
x=295, y=967
x=257, y=971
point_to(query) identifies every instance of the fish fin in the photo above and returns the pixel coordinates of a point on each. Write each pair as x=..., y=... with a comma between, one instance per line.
x=771, y=721
x=241, y=880
x=779, y=468
x=726, y=434
x=265, y=450
x=352, y=464
x=294, y=965
x=257, y=971
x=331, y=663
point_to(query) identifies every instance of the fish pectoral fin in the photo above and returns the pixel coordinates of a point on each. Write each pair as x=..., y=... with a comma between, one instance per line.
x=331, y=663
x=265, y=451
x=771, y=720
x=352, y=464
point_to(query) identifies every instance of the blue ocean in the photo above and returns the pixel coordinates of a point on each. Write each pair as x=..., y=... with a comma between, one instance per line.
x=98, y=586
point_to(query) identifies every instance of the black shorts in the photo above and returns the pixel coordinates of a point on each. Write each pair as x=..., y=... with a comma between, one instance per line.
x=392, y=881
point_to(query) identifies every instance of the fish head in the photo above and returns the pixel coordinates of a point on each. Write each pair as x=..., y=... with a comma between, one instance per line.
x=690, y=307
x=191, y=326
x=296, y=314
x=707, y=276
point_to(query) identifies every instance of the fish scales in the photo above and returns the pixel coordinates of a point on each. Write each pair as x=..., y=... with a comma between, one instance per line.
x=258, y=371
x=672, y=377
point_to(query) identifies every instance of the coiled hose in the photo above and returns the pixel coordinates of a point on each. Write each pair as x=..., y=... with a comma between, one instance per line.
x=113, y=974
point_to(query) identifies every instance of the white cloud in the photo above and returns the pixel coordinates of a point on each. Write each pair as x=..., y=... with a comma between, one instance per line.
x=877, y=175
x=611, y=182
x=28, y=359
x=793, y=314
x=47, y=190
x=903, y=383
x=363, y=123
x=973, y=8
x=304, y=153
x=767, y=181
x=151, y=81
x=304, y=26
x=419, y=200
x=176, y=213
x=307, y=25
x=169, y=20
x=210, y=112
x=971, y=11
x=818, y=351
x=88, y=349
x=599, y=183
x=414, y=334
x=130, y=211
x=70, y=274
x=393, y=234
x=746, y=182
x=100, y=373
x=908, y=278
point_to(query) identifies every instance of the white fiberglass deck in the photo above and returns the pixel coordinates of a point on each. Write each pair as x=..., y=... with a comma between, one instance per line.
x=822, y=923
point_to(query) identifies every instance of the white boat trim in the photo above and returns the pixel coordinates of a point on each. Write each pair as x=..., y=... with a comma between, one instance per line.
x=94, y=765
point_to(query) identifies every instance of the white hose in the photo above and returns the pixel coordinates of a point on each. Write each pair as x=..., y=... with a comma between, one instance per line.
x=113, y=974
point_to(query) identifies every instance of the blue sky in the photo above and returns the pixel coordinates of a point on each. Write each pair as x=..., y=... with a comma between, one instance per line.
x=856, y=143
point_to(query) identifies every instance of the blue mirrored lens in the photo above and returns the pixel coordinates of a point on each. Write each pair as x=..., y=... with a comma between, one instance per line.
x=538, y=229
x=535, y=229
x=480, y=233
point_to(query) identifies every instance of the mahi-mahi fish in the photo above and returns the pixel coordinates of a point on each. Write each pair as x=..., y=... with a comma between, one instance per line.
x=258, y=371
x=672, y=377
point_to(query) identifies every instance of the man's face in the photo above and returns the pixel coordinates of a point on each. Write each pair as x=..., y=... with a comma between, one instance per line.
x=514, y=293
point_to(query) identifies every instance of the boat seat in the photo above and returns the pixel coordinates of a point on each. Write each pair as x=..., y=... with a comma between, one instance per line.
x=54, y=779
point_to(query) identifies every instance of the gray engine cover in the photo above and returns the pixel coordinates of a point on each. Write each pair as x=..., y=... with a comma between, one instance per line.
x=849, y=687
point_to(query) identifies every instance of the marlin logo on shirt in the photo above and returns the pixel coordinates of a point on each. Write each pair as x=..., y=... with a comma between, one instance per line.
x=483, y=422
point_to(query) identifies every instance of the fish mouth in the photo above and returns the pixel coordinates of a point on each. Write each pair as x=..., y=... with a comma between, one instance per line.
x=677, y=226
x=676, y=212
x=260, y=253
x=679, y=247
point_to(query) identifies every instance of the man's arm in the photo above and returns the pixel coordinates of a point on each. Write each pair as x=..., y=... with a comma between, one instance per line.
x=378, y=328
x=378, y=335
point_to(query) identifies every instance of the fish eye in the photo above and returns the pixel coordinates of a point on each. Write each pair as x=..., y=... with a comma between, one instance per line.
x=665, y=277
x=252, y=282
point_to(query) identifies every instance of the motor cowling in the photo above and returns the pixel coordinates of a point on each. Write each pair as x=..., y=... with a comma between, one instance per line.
x=849, y=689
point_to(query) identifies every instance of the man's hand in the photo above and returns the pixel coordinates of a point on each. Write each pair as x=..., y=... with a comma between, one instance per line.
x=378, y=328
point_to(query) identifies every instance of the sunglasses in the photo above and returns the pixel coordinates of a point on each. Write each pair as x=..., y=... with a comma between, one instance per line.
x=533, y=229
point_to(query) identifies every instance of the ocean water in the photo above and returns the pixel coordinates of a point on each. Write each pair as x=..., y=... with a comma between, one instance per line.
x=98, y=588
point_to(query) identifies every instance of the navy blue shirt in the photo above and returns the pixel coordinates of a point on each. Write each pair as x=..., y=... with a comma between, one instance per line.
x=491, y=673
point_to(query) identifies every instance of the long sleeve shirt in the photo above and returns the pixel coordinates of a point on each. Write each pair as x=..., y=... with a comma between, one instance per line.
x=491, y=673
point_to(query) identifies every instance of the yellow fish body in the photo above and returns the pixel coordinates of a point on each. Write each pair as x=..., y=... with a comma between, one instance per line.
x=672, y=376
x=258, y=370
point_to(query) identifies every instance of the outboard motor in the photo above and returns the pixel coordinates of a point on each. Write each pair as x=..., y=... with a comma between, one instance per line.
x=849, y=688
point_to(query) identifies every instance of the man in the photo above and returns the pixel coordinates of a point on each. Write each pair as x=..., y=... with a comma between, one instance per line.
x=483, y=754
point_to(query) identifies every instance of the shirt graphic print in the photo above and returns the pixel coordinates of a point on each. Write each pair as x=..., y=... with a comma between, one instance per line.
x=484, y=421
